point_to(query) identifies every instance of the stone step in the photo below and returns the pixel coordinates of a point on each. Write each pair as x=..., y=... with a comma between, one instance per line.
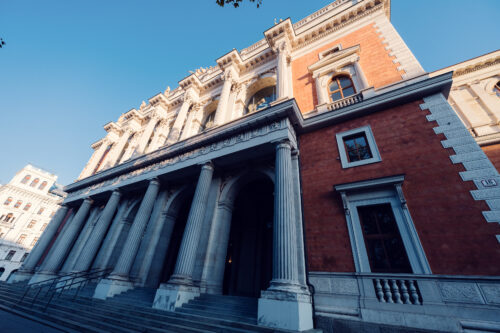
x=114, y=321
x=222, y=310
x=120, y=316
x=218, y=314
x=210, y=305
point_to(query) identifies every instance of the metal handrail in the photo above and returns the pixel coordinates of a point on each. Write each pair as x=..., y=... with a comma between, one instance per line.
x=89, y=276
x=44, y=283
x=66, y=280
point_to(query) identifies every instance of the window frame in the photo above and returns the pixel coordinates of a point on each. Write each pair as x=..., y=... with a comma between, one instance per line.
x=381, y=191
x=340, y=88
x=372, y=145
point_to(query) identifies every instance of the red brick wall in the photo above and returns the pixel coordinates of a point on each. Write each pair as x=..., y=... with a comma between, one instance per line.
x=374, y=59
x=493, y=153
x=455, y=236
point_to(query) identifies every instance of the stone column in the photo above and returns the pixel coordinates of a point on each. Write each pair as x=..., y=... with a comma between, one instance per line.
x=96, y=157
x=133, y=241
x=361, y=76
x=297, y=203
x=286, y=304
x=175, y=131
x=223, y=106
x=484, y=98
x=321, y=91
x=213, y=272
x=186, y=132
x=40, y=247
x=67, y=238
x=284, y=238
x=146, y=135
x=87, y=256
x=117, y=149
x=118, y=281
x=180, y=288
x=283, y=79
x=183, y=273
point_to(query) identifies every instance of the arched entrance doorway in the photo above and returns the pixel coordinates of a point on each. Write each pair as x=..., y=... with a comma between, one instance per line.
x=248, y=265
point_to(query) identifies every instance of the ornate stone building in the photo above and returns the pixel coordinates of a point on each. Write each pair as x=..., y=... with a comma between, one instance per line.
x=27, y=204
x=475, y=96
x=320, y=172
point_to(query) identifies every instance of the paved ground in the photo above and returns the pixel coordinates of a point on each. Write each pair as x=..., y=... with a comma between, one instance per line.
x=11, y=323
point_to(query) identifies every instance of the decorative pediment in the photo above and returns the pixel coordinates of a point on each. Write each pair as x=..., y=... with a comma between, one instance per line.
x=333, y=59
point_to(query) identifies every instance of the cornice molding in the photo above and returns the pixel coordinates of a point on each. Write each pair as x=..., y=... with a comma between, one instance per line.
x=288, y=109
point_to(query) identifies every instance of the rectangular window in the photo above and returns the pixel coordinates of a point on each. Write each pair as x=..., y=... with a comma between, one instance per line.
x=23, y=258
x=384, y=246
x=34, y=241
x=43, y=227
x=31, y=224
x=357, y=147
x=10, y=255
x=21, y=239
x=40, y=211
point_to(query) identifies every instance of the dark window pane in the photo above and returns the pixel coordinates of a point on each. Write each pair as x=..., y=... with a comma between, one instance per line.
x=384, y=246
x=336, y=96
x=348, y=91
x=357, y=147
x=334, y=86
x=345, y=82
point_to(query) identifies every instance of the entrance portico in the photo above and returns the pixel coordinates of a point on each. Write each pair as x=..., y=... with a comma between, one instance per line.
x=217, y=214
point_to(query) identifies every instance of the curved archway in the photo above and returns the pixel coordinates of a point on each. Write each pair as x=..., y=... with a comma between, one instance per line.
x=241, y=236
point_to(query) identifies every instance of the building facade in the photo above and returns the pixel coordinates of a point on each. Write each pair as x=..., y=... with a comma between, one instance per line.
x=28, y=203
x=321, y=171
x=475, y=96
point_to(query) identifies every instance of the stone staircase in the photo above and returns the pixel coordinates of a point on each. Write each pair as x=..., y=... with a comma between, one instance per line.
x=132, y=312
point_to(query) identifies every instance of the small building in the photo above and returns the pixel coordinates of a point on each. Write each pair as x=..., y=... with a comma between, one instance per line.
x=27, y=204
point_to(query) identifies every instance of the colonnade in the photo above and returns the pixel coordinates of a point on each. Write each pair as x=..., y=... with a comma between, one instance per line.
x=288, y=274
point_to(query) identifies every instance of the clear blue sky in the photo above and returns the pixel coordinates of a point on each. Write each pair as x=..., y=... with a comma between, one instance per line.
x=69, y=67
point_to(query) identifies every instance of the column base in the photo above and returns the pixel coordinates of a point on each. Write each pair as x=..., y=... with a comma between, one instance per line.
x=171, y=296
x=42, y=276
x=20, y=276
x=285, y=310
x=111, y=287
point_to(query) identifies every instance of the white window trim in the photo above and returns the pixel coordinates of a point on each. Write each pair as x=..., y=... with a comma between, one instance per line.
x=344, y=160
x=379, y=191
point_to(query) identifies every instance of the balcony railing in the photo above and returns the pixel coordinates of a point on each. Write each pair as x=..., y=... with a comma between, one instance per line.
x=345, y=102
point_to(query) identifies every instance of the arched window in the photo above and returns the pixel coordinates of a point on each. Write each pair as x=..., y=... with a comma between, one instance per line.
x=209, y=121
x=341, y=87
x=9, y=217
x=496, y=89
x=35, y=182
x=26, y=179
x=42, y=185
x=261, y=99
x=7, y=201
x=28, y=206
x=155, y=129
x=18, y=203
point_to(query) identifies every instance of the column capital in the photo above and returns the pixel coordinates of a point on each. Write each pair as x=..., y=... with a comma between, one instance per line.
x=89, y=200
x=207, y=165
x=154, y=181
x=283, y=144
